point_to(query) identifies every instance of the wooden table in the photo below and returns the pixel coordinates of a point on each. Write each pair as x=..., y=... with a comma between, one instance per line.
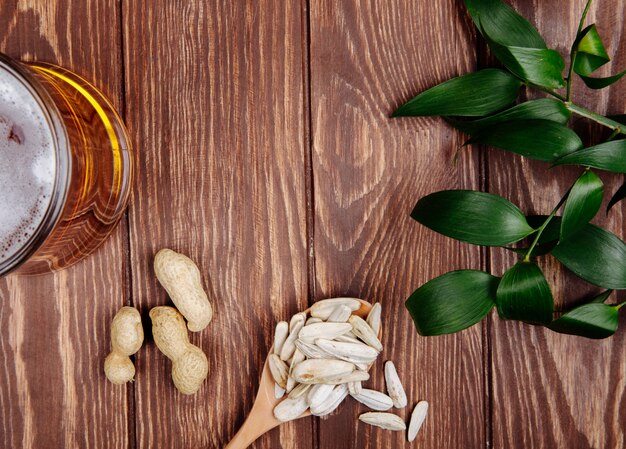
x=266, y=154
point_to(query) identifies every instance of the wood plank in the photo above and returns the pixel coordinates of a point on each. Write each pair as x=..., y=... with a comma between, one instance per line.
x=551, y=390
x=367, y=57
x=54, y=328
x=216, y=100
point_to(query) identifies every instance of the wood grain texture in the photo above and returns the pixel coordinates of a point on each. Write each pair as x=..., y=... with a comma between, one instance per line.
x=54, y=328
x=551, y=390
x=367, y=57
x=216, y=102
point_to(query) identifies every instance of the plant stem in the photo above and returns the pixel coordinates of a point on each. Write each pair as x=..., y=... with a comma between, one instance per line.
x=574, y=51
x=550, y=217
x=619, y=306
x=604, y=121
x=543, y=226
x=613, y=135
x=583, y=17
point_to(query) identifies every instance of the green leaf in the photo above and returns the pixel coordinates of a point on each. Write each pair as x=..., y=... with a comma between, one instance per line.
x=524, y=294
x=618, y=196
x=475, y=217
x=475, y=94
x=601, y=297
x=609, y=156
x=516, y=43
x=595, y=255
x=452, y=302
x=539, y=66
x=589, y=320
x=583, y=203
x=503, y=24
x=601, y=83
x=544, y=108
x=537, y=139
x=590, y=56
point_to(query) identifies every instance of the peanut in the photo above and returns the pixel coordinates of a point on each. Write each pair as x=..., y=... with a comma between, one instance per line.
x=189, y=364
x=126, y=339
x=180, y=277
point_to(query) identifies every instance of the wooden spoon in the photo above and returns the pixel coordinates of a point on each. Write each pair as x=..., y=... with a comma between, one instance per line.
x=261, y=418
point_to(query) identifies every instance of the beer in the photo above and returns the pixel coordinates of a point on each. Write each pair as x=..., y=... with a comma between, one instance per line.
x=65, y=167
x=27, y=167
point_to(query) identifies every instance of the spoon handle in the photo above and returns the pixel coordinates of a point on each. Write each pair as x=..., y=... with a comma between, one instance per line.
x=252, y=428
x=261, y=418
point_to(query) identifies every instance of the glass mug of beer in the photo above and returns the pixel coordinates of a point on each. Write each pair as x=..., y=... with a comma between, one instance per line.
x=65, y=167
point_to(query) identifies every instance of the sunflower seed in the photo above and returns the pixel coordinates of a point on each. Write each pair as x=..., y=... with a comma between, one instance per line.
x=280, y=335
x=354, y=376
x=373, y=318
x=350, y=352
x=290, y=409
x=289, y=346
x=326, y=359
x=374, y=399
x=296, y=320
x=311, y=351
x=363, y=331
x=298, y=357
x=319, y=371
x=278, y=391
x=318, y=394
x=340, y=314
x=331, y=403
x=299, y=391
x=279, y=370
x=363, y=366
x=348, y=338
x=313, y=331
x=417, y=419
x=322, y=309
x=387, y=421
x=355, y=388
x=394, y=386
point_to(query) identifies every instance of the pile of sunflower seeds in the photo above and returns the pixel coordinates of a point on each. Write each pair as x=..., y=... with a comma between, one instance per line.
x=321, y=359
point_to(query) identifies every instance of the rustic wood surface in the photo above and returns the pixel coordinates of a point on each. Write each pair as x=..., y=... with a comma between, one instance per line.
x=215, y=100
x=266, y=153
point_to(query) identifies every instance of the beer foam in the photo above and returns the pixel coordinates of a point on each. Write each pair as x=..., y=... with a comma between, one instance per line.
x=27, y=164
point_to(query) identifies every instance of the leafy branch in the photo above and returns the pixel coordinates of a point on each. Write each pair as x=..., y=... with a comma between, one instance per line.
x=536, y=129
